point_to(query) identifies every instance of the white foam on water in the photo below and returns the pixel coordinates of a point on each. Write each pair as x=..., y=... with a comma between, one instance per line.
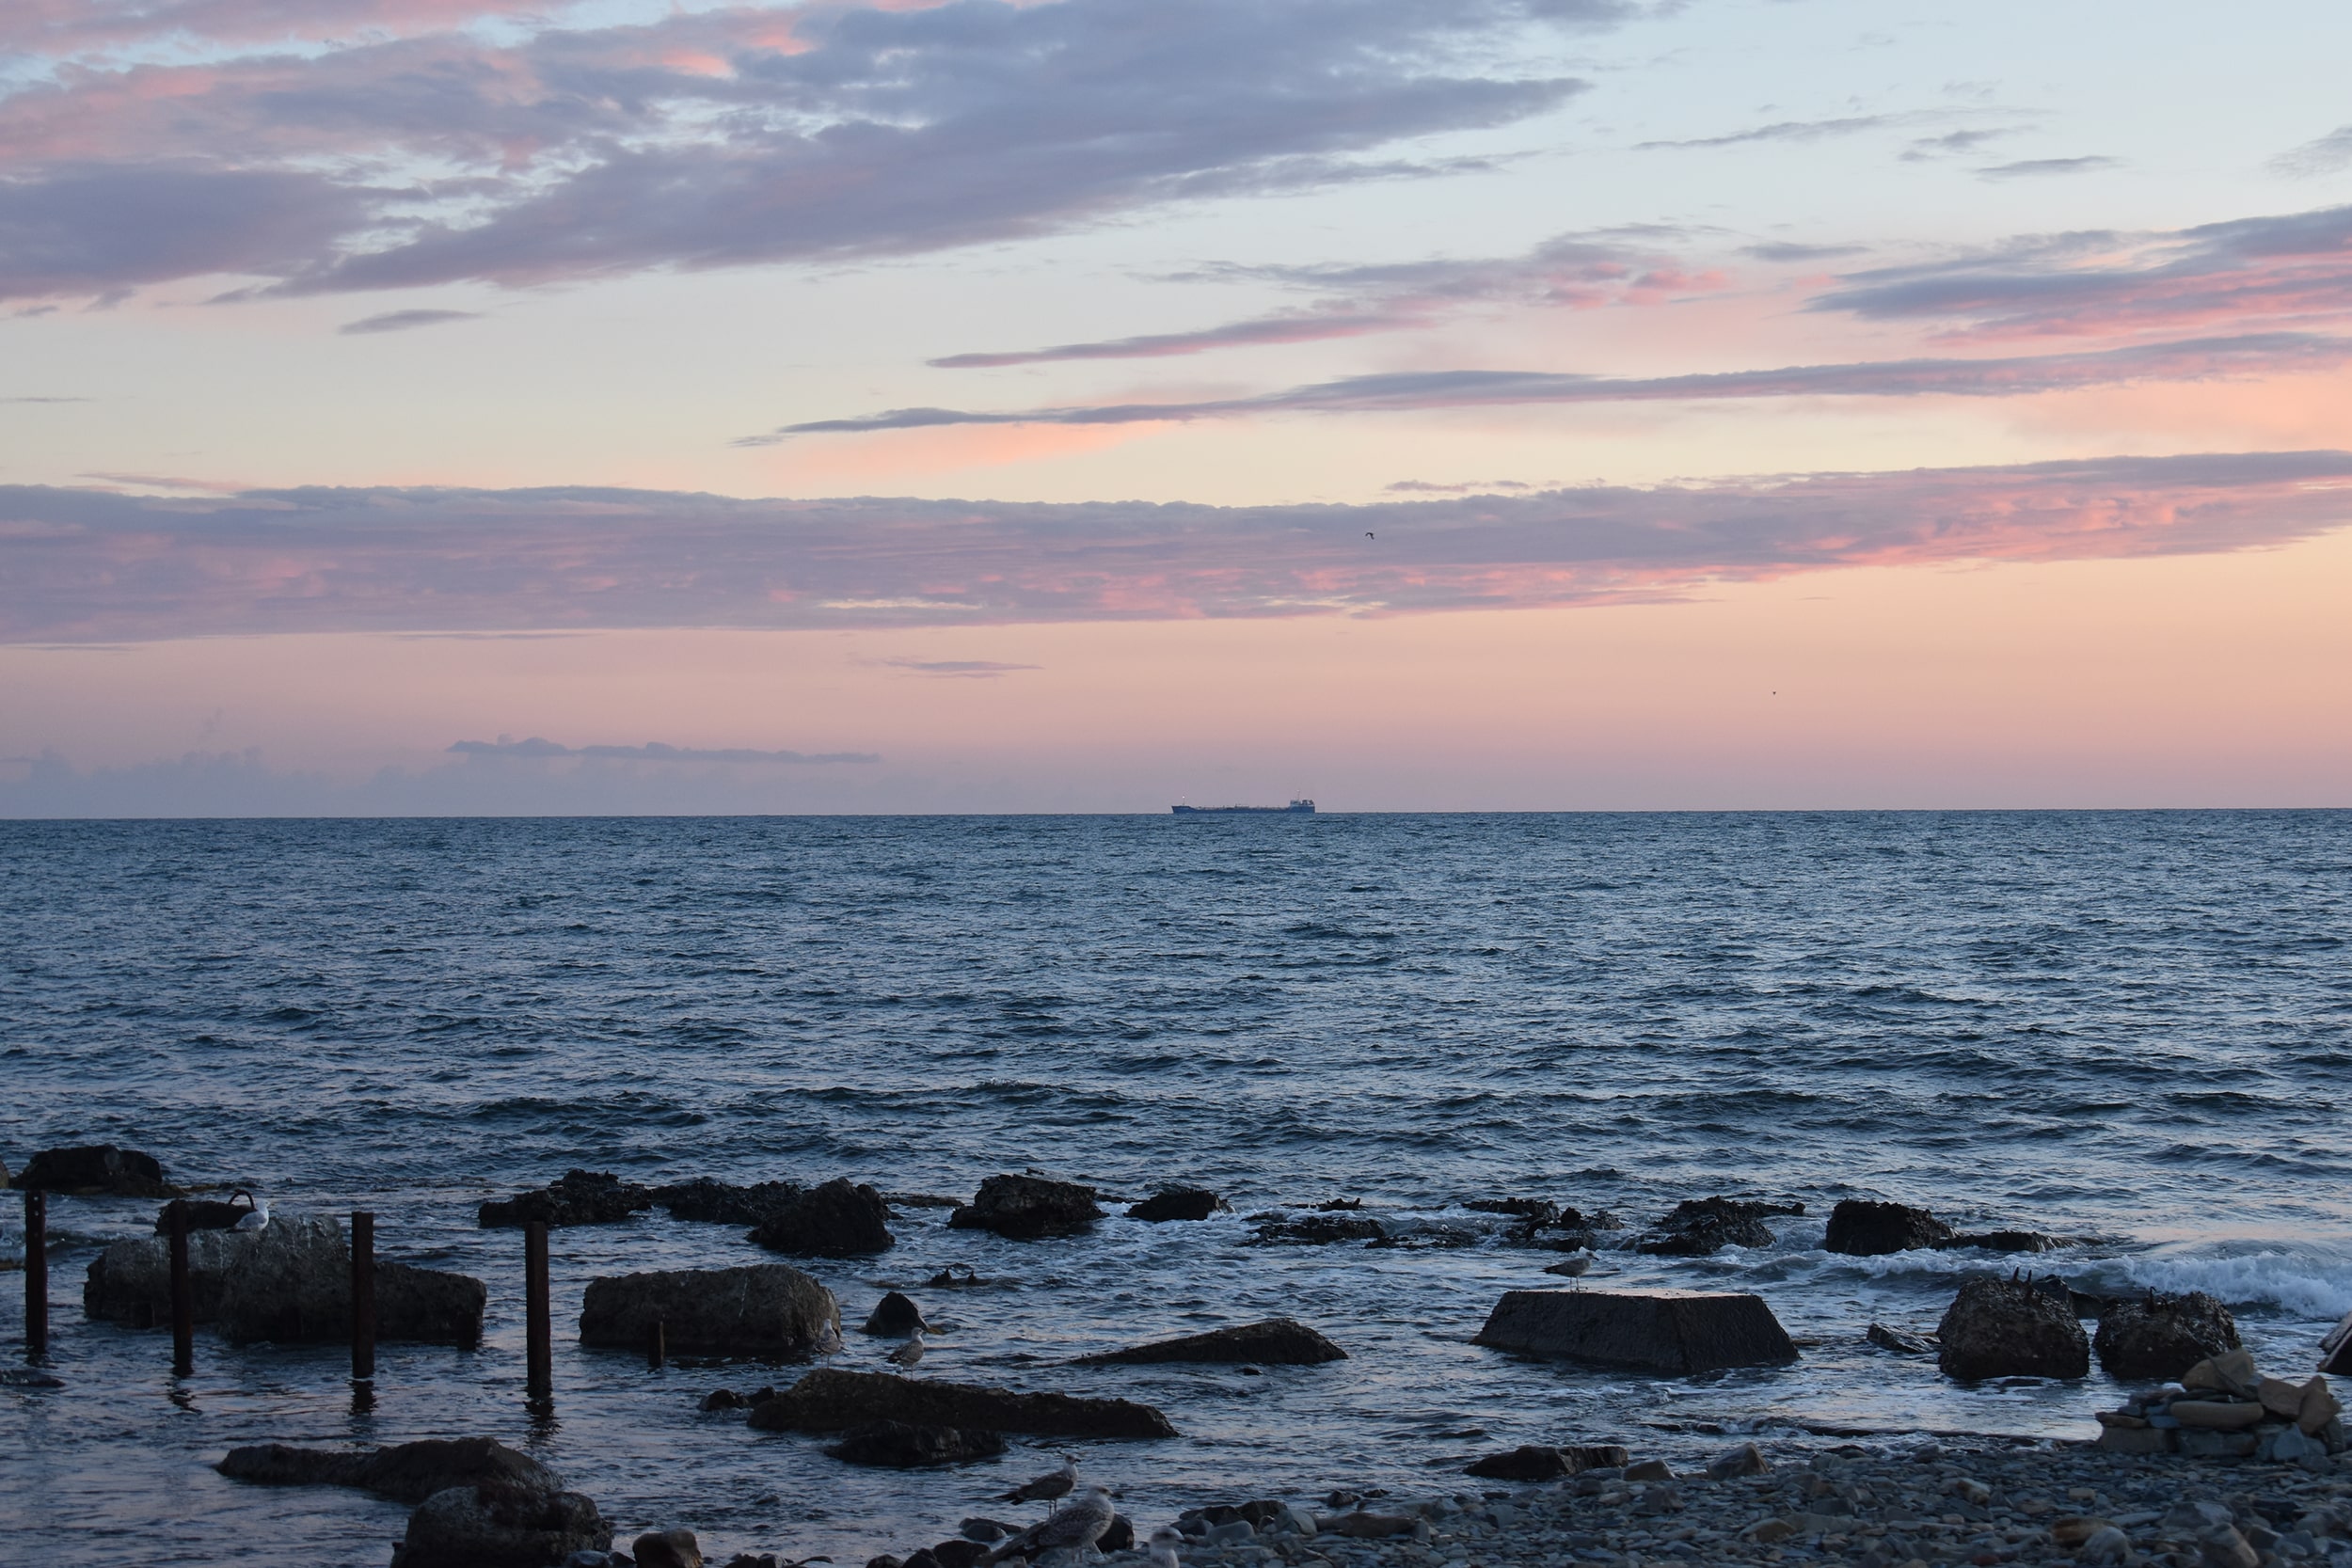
x=2312, y=1282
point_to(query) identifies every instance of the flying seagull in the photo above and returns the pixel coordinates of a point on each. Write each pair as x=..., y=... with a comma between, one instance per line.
x=1090, y=1515
x=906, y=1355
x=1049, y=1488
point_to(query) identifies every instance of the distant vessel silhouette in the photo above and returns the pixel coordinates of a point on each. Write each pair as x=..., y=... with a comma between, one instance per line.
x=1297, y=808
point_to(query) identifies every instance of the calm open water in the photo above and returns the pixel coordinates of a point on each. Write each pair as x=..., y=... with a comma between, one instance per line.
x=2129, y=1027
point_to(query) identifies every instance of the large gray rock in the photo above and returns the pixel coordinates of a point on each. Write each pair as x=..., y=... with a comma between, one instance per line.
x=497, y=1527
x=1029, y=1208
x=2008, y=1328
x=1277, y=1341
x=832, y=1399
x=288, y=1283
x=406, y=1472
x=837, y=1220
x=96, y=1170
x=2161, y=1336
x=1660, y=1331
x=1860, y=1227
x=769, y=1310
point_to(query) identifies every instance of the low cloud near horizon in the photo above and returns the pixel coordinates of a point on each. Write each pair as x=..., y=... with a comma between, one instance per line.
x=98, y=566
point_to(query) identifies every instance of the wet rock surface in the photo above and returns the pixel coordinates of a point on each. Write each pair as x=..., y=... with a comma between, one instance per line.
x=1860, y=1227
x=288, y=1284
x=1029, y=1208
x=499, y=1526
x=2163, y=1336
x=895, y=1316
x=1701, y=1226
x=1673, y=1332
x=1178, y=1203
x=407, y=1472
x=711, y=1202
x=1275, y=1341
x=908, y=1445
x=834, y=1400
x=96, y=1170
x=838, y=1219
x=580, y=1197
x=2011, y=1328
x=765, y=1309
x=1322, y=1228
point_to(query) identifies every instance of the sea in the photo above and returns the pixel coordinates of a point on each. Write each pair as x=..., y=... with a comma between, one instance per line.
x=2130, y=1030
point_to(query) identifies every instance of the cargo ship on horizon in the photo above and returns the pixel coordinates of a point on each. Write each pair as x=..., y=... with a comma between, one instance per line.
x=1297, y=808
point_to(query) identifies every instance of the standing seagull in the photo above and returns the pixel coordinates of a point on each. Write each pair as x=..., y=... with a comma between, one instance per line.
x=1090, y=1515
x=906, y=1355
x=1049, y=1488
x=1165, y=1543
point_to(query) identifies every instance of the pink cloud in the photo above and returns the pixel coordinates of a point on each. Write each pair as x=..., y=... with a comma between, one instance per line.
x=89, y=566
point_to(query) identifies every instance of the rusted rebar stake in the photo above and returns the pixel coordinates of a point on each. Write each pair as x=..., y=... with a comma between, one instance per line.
x=36, y=1274
x=362, y=1295
x=539, y=1381
x=182, y=1299
x=656, y=1352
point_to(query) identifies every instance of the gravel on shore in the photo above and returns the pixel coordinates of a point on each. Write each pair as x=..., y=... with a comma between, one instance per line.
x=1968, y=1502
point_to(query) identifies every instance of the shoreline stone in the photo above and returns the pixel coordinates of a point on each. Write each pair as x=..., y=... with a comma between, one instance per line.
x=1675, y=1332
x=1029, y=1208
x=1274, y=1343
x=2009, y=1329
x=832, y=1399
x=762, y=1309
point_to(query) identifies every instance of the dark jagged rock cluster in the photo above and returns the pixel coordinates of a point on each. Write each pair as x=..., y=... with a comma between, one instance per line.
x=1029, y=1208
x=1707, y=1224
x=1864, y=1227
x=580, y=1197
x=96, y=1170
x=838, y=1219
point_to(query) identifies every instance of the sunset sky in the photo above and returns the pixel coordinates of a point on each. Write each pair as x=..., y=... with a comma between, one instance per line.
x=454, y=405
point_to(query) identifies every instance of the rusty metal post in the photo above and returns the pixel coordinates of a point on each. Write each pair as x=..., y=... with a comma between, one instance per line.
x=540, y=1379
x=657, y=1351
x=183, y=1297
x=36, y=1274
x=362, y=1295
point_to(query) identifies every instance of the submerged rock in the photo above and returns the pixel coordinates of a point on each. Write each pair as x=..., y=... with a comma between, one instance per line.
x=288, y=1283
x=1860, y=1227
x=96, y=1170
x=2161, y=1336
x=1275, y=1341
x=709, y=1202
x=1660, y=1331
x=834, y=1400
x=1705, y=1225
x=895, y=1316
x=1029, y=1208
x=2008, y=1328
x=499, y=1527
x=407, y=1472
x=1541, y=1211
x=1179, y=1203
x=1901, y=1341
x=2003, y=1241
x=907, y=1446
x=581, y=1197
x=1317, y=1230
x=837, y=1220
x=767, y=1309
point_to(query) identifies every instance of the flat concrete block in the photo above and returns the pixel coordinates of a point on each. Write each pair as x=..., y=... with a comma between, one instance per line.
x=1659, y=1331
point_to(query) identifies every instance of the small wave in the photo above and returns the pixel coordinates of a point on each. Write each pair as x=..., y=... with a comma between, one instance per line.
x=2307, y=1281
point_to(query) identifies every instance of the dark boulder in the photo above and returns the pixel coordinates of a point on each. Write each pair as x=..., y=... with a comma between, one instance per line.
x=668, y=1548
x=905, y=1445
x=709, y=1202
x=1277, y=1341
x=1528, y=1461
x=2161, y=1336
x=895, y=1316
x=581, y=1197
x=407, y=1472
x=96, y=1170
x=1705, y=1225
x=2008, y=1328
x=834, y=1400
x=288, y=1283
x=961, y=1553
x=765, y=1309
x=837, y=1220
x=2004, y=1241
x=1117, y=1536
x=1860, y=1227
x=1317, y=1230
x=1540, y=1212
x=501, y=1527
x=1027, y=1208
x=1178, y=1203
x=1661, y=1331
